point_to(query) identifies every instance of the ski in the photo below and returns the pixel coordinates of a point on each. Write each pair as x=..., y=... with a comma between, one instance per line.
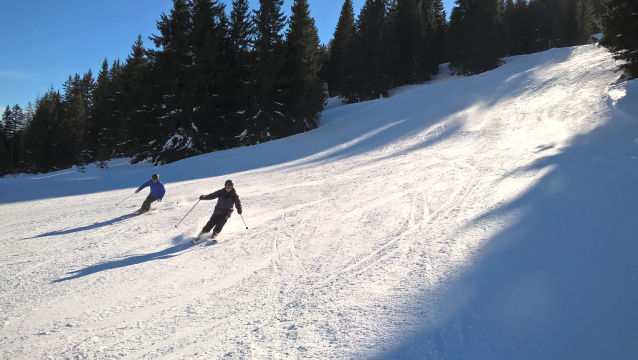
x=199, y=238
x=126, y=216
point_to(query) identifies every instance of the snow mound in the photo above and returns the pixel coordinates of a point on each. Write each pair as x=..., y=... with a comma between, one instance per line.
x=623, y=96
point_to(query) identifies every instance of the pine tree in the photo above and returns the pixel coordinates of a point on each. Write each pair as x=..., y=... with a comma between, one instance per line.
x=509, y=27
x=3, y=153
x=475, y=44
x=75, y=118
x=405, y=39
x=435, y=22
x=241, y=31
x=116, y=109
x=343, y=34
x=620, y=34
x=28, y=114
x=44, y=148
x=585, y=23
x=138, y=126
x=579, y=20
x=324, y=56
x=14, y=120
x=172, y=73
x=367, y=76
x=302, y=90
x=100, y=118
x=551, y=23
x=522, y=32
x=241, y=28
x=269, y=52
x=7, y=121
x=211, y=87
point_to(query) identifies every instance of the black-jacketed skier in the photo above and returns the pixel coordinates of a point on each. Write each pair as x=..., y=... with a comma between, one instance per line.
x=157, y=193
x=226, y=198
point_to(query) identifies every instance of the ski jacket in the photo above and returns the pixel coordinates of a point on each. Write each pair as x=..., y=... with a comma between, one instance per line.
x=157, y=189
x=225, y=201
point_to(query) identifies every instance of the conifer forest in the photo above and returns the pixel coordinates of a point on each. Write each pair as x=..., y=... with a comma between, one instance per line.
x=215, y=78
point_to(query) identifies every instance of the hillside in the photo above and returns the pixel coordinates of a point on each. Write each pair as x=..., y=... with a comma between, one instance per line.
x=487, y=217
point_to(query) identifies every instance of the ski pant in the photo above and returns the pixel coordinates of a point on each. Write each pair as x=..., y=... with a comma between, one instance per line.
x=146, y=206
x=218, y=221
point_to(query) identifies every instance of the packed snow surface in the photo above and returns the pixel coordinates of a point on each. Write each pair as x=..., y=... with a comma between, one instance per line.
x=487, y=217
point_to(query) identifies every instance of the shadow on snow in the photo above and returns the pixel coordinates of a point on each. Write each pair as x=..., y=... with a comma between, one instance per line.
x=129, y=261
x=84, y=228
x=561, y=282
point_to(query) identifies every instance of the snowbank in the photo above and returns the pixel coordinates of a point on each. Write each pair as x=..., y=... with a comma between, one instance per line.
x=623, y=95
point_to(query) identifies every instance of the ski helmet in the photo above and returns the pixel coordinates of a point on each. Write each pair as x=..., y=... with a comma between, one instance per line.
x=155, y=177
x=228, y=183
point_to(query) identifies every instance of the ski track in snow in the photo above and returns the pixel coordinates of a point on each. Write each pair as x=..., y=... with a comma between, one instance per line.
x=351, y=249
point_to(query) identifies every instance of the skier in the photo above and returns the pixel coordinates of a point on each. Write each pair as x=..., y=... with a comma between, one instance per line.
x=157, y=193
x=226, y=198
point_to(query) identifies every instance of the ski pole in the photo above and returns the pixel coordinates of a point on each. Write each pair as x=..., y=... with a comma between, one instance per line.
x=242, y=219
x=189, y=211
x=124, y=199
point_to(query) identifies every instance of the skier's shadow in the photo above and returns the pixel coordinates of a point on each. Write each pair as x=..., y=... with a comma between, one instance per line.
x=83, y=228
x=133, y=260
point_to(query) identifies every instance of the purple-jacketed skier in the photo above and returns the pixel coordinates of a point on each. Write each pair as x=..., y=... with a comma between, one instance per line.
x=226, y=198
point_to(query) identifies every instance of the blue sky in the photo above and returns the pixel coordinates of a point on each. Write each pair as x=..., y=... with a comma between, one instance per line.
x=42, y=42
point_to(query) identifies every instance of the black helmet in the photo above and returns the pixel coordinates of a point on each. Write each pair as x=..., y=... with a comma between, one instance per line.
x=155, y=177
x=228, y=183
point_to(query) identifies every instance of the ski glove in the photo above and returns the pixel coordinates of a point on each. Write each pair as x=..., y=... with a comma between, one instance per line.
x=160, y=200
x=239, y=211
x=136, y=191
x=201, y=197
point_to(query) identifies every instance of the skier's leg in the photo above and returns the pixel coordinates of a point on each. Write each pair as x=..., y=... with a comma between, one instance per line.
x=221, y=221
x=146, y=206
x=209, y=225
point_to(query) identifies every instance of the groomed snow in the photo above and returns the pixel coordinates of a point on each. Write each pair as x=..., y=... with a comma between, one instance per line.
x=489, y=217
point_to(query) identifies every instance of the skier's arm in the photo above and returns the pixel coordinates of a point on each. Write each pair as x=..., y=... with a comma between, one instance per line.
x=162, y=192
x=238, y=204
x=210, y=196
x=148, y=183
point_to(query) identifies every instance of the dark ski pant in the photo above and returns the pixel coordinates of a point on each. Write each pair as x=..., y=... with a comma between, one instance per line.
x=146, y=206
x=218, y=221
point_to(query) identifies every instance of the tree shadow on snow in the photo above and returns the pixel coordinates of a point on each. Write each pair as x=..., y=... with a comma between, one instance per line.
x=84, y=228
x=132, y=260
x=562, y=281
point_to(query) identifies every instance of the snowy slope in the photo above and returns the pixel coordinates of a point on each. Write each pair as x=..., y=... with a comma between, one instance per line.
x=488, y=217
